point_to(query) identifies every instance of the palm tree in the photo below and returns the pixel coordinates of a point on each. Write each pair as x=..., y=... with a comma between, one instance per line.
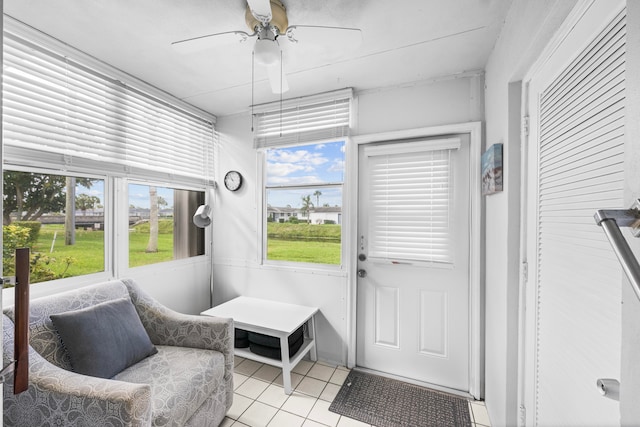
x=306, y=205
x=318, y=193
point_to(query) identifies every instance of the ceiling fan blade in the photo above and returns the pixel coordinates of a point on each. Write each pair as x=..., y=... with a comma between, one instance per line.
x=261, y=10
x=343, y=38
x=277, y=79
x=210, y=41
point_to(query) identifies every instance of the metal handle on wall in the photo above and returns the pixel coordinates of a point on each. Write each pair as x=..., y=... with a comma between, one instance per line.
x=611, y=221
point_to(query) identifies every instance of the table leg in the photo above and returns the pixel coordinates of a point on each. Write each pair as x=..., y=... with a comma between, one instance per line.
x=312, y=335
x=286, y=364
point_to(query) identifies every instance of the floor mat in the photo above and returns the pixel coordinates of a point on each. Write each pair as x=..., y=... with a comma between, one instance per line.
x=386, y=402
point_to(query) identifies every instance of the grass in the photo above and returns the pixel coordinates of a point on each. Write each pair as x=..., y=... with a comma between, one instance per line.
x=311, y=232
x=287, y=242
x=88, y=251
x=304, y=242
x=303, y=251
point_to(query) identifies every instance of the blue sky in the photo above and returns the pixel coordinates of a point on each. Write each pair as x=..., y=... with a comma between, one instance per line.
x=307, y=164
x=138, y=194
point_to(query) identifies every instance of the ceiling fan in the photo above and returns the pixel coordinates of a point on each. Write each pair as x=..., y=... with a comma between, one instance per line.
x=267, y=19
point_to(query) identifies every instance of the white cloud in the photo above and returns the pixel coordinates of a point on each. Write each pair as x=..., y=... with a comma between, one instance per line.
x=283, y=163
x=336, y=166
x=283, y=169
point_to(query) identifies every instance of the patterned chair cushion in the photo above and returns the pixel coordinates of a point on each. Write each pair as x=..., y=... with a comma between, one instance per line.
x=181, y=380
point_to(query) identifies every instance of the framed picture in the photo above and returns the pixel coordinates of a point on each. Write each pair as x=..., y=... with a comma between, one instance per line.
x=492, y=170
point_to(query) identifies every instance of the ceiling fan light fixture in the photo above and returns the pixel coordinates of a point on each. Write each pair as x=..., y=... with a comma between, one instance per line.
x=267, y=52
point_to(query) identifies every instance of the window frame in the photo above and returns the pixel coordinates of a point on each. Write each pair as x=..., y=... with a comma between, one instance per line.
x=122, y=260
x=115, y=174
x=73, y=282
x=330, y=269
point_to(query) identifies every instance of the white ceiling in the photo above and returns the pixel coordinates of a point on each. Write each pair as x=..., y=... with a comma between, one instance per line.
x=403, y=41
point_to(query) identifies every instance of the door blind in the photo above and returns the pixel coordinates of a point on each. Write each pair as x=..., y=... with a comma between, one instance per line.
x=57, y=107
x=409, y=201
x=580, y=170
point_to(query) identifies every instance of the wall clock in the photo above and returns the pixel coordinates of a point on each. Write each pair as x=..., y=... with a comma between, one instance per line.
x=233, y=180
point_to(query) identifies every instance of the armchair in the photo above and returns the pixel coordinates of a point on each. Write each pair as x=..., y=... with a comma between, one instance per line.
x=188, y=382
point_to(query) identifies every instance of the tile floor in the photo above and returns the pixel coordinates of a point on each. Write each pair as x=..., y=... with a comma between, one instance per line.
x=260, y=401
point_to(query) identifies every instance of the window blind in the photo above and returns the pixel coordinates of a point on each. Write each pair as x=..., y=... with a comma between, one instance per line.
x=315, y=118
x=55, y=108
x=409, y=201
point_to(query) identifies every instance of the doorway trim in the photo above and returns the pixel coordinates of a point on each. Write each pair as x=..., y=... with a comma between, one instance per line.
x=476, y=327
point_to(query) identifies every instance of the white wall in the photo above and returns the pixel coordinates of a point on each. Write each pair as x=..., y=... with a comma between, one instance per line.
x=180, y=285
x=528, y=28
x=237, y=267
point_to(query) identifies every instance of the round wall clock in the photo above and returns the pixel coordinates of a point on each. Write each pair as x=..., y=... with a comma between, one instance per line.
x=233, y=180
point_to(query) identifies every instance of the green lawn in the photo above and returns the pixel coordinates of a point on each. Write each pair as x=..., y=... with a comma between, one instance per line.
x=88, y=252
x=304, y=242
x=307, y=251
x=287, y=242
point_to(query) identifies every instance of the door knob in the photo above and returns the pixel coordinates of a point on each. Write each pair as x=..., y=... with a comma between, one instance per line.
x=362, y=273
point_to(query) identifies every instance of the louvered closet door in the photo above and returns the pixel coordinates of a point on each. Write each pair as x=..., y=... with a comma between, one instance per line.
x=577, y=153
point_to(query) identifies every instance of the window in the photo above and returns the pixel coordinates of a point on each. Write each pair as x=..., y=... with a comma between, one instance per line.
x=303, y=194
x=160, y=226
x=60, y=218
x=303, y=176
x=69, y=117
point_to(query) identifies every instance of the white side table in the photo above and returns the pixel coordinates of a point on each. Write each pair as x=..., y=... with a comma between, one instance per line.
x=275, y=319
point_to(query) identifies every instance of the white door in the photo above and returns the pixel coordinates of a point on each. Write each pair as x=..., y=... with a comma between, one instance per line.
x=575, y=166
x=413, y=260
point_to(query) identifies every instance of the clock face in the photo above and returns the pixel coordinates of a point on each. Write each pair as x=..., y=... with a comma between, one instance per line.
x=233, y=180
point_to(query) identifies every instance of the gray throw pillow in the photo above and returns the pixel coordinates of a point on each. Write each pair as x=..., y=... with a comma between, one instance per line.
x=103, y=340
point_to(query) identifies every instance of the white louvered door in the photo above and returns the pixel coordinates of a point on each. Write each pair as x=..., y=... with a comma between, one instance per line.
x=575, y=161
x=413, y=303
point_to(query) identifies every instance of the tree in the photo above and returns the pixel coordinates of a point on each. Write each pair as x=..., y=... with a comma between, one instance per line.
x=317, y=193
x=70, y=212
x=30, y=195
x=84, y=202
x=152, y=246
x=307, y=204
x=162, y=201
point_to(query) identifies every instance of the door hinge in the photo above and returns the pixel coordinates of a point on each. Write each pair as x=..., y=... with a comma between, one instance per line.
x=523, y=416
x=525, y=126
x=525, y=271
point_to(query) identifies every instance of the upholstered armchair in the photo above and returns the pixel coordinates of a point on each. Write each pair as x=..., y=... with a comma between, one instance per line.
x=186, y=381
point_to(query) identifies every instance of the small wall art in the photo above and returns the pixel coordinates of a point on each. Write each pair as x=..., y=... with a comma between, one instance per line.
x=492, y=170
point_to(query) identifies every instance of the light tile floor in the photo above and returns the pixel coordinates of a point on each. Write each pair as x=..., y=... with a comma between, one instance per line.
x=260, y=401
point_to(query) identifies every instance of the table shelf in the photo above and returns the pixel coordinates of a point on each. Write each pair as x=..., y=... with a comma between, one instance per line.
x=293, y=360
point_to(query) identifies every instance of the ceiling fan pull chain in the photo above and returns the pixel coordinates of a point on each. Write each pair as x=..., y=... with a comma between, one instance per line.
x=253, y=70
x=281, y=72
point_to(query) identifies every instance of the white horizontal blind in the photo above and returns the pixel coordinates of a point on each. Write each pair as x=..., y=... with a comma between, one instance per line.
x=64, y=110
x=303, y=120
x=409, y=202
x=581, y=169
